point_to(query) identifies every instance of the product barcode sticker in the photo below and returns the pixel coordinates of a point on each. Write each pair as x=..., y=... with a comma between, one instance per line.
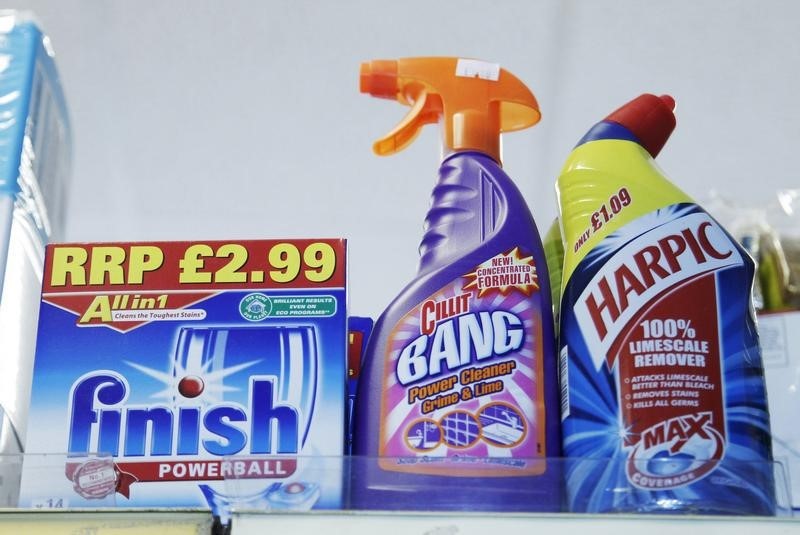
x=472, y=68
x=563, y=369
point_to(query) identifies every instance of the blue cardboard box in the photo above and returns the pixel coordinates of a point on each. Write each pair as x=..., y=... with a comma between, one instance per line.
x=190, y=374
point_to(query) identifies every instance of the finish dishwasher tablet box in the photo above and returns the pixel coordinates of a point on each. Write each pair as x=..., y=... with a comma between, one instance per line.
x=206, y=373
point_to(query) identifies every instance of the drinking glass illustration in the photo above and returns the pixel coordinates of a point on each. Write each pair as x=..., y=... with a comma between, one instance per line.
x=215, y=364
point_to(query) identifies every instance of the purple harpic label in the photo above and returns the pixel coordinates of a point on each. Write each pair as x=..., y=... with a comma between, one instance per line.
x=463, y=380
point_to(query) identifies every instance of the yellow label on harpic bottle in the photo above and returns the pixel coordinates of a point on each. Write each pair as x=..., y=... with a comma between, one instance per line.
x=629, y=186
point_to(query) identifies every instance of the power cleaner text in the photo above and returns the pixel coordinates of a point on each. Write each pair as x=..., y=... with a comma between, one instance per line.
x=456, y=342
x=97, y=400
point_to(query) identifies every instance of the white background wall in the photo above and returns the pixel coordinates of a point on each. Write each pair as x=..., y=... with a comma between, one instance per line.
x=212, y=120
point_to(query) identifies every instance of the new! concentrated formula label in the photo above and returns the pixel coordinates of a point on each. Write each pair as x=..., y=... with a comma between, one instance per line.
x=463, y=388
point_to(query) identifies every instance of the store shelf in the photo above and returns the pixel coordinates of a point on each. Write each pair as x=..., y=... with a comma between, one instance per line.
x=196, y=522
x=358, y=523
x=105, y=522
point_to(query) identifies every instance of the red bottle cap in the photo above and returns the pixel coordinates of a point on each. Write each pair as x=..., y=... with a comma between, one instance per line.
x=649, y=118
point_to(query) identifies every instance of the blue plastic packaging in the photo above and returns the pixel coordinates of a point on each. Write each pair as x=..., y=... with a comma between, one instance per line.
x=35, y=159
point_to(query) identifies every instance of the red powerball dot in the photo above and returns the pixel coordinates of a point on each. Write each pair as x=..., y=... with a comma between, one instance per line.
x=191, y=386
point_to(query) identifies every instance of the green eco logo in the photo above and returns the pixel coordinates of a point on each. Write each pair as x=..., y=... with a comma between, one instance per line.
x=255, y=307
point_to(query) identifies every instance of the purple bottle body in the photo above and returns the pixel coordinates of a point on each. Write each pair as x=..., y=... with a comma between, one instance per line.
x=457, y=402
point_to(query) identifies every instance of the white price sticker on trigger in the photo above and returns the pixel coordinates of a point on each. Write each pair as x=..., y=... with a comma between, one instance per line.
x=473, y=68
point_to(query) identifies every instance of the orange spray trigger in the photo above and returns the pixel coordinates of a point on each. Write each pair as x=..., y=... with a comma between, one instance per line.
x=426, y=110
x=475, y=101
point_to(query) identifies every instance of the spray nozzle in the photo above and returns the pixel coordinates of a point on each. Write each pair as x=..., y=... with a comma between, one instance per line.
x=475, y=101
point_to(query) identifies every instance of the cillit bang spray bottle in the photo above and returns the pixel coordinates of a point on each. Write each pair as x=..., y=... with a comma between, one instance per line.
x=457, y=402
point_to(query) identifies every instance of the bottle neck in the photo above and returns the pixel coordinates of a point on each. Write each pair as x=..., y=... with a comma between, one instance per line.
x=607, y=130
x=453, y=154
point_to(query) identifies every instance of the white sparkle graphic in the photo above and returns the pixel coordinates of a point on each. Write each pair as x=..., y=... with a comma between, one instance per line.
x=213, y=388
